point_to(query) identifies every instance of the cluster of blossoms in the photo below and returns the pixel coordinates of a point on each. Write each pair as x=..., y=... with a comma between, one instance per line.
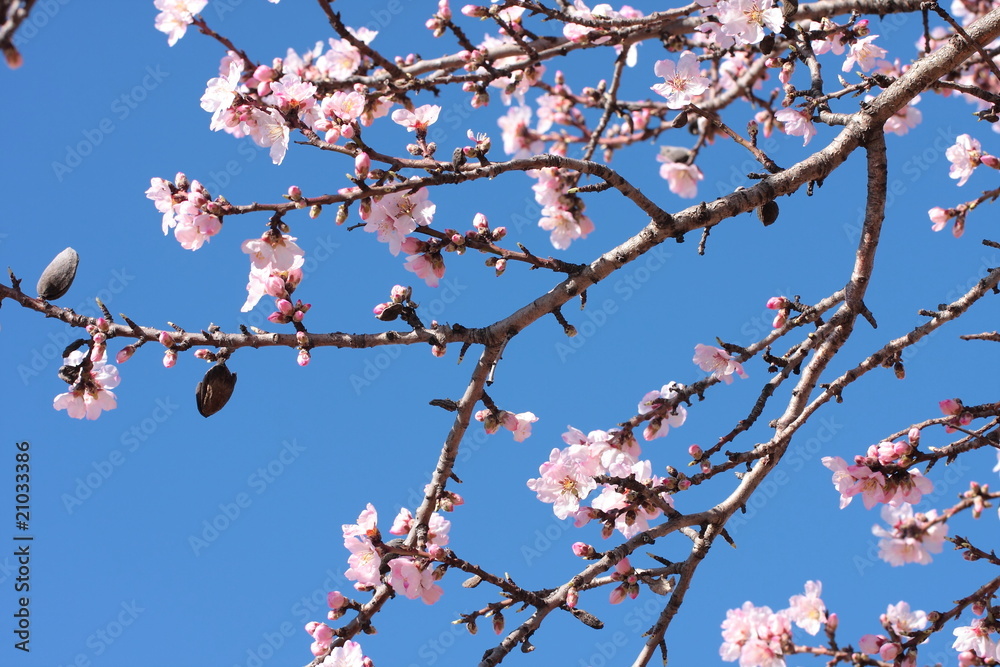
x=660, y=425
x=740, y=22
x=424, y=257
x=718, y=362
x=187, y=208
x=881, y=476
x=91, y=379
x=965, y=155
x=175, y=16
x=783, y=306
x=276, y=270
x=370, y=560
x=902, y=622
x=562, y=212
x=567, y=478
x=518, y=424
x=759, y=637
x=397, y=214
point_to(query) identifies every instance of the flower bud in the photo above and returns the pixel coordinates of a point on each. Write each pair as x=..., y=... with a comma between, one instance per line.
x=362, y=165
x=169, y=359
x=501, y=266
x=342, y=214
x=125, y=354
x=583, y=550
x=294, y=193
x=303, y=358
x=166, y=339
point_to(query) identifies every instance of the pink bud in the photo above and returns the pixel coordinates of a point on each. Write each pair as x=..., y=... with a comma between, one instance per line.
x=303, y=358
x=475, y=12
x=695, y=452
x=444, y=11
x=623, y=566
x=438, y=350
x=457, y=239
x=583, y=550
x=201, y=354
x=780, y=319
x=400, y=293
x=914, y=435
x=832, y=621
x=499, y=233
x=617, y=595
x=888, y=652
x=412, y=245
x=263, y=73
x=683, y=484
x=100, y=338
x=102, y=324
x=950, y=406
x=572, y=598
x=777, y=302
x=480, y=222
x=169, y=359
x=301, y=338
x=298, y=315
x=990, y=161
x=871, y=643
x=380, y=308
x=501, y=266
x=294, y=193
x=285, y=306
x=362, y=165
x=125, y=354
x=335, y=599
x=166, y=339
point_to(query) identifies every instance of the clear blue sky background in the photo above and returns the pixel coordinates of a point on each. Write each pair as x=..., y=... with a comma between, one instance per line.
x=115, y=580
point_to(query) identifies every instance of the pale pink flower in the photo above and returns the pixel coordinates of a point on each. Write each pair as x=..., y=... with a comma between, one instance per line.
x=651, y=400
x=682, y=178
x=842, y=478
x=745, y=20
x=905, y=119
x=864, y=53
x=407, y=577
x=975, y=638
x=632, y=523
x=417, y=120
x=911, y=538
x=175, y=16
x=364, y=562
x=348, y=655
x=518, y=139
x=428, y=266
x=366, y=525
x=718, y=362
x=566, y=478
x=682, y=81
x=808, y=611
x=397, y=214
x=193, y=225
x=159, y=191
x=964, y=156
x=437, y=530
x=796, y=123
x=903, y=621
x=269, y=129
x=565, y=226
x=221, y=92
x=521, y=424
x=341, y=61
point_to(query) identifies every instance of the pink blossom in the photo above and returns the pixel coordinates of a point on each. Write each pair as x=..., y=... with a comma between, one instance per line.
x=905, y=119
x=903, y=621
x=407, y=577
x=808, y=611
x=954, y=407
x=717, y=362
x=397, y=214
x=911, y=538
x=682, y=178
x=796, y=123
x=364, y=562
x=745, y=20
x=521, y=425
x=682, y=81
x=755, y=636
x=976, y=638
x=565, y=479
x=565, y=226
x=269, y=130
x=653, y=399
x=842, y=478
x=631, y=523
x=429, y=267
x=175, y=16
x=864, y=53
x=348, y=655
x=518, y=139
x=964, y=157
x=340, y=61
x=437, y=530
x=221, y=92
x=940, y=217
x=417, y=120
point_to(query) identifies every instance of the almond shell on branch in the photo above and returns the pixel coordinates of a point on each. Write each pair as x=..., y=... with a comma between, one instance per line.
x=215, y=389
x=58, y=276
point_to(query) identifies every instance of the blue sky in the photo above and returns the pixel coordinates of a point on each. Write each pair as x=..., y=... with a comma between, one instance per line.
x=164, y=538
